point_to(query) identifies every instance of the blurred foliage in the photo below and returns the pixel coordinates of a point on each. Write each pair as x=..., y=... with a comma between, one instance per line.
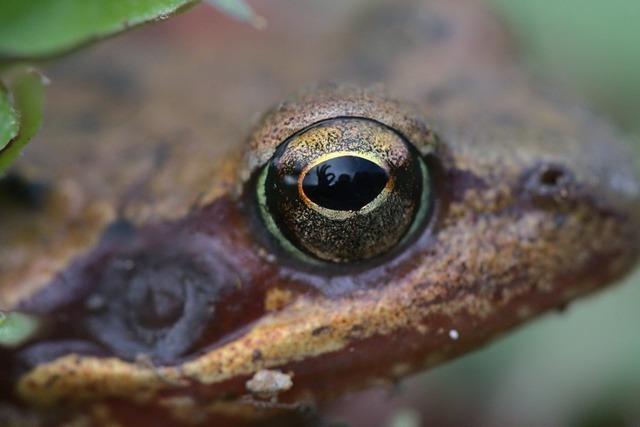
x=35, y=29
x=31, y=29
x=9, y=124
x=16, y=328
x=591, y=46
x=24, y=109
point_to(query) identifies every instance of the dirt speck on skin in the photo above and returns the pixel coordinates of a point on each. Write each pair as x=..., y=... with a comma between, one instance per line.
x=267, y=384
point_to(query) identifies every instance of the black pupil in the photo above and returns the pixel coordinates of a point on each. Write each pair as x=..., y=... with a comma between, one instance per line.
x=345, y=183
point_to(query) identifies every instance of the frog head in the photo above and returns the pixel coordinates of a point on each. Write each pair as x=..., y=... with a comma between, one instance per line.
x=352, y=241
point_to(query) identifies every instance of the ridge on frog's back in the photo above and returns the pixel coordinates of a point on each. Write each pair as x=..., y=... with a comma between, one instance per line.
x=181, y=276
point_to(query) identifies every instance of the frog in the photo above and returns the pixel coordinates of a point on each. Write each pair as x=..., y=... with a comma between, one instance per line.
x=201, y=247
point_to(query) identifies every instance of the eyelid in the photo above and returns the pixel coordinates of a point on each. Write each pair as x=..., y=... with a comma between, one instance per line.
x=331, y=102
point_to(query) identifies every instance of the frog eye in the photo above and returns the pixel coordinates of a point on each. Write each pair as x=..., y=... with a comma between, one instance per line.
x=345, y=189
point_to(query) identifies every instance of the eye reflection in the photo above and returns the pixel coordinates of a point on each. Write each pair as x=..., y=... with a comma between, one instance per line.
x=344, y=183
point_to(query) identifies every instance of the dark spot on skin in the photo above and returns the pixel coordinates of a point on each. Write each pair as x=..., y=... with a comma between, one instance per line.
x=256, y=355
x=498, y=295
x=356, y=329
x=552, y=176
x=22, y=192
x=320, y=330
x=119, y=229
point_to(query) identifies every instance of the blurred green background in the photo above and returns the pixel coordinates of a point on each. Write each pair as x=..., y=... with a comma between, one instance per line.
x=589, y=45
x=580, y=367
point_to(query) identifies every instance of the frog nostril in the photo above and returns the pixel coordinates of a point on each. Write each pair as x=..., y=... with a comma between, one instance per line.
x=553, y=176
x=548, y=181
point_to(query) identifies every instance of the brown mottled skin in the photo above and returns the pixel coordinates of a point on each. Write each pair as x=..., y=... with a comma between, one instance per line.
x=535, y=204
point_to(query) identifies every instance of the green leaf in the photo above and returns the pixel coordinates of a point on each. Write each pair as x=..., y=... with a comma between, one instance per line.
x=28, y=92
x=15, y=328
x=40, y=28
x=8, y=118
